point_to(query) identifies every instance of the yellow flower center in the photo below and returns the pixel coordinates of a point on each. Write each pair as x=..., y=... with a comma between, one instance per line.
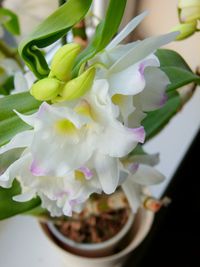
x=79, y=176
x=65, y=126
x=117, y=99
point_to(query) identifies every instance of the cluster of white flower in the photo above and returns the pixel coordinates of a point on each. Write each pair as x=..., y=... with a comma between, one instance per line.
x=80, y=145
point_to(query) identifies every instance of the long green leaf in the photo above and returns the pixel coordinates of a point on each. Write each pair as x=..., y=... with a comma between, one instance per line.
x=104, y=32
x=10, y=21
x=179, y=77
x=10, y=123
x=50, y=30
x=156, y=120
x=176, y=69
x=9, y=207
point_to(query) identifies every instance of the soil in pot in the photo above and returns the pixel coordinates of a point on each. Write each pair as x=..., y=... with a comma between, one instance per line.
x=96, y=228
x=99, y=230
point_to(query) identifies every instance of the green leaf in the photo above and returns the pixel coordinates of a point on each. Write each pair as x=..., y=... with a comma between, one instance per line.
x=9, y=207
x=10, y=21
x=176, y=69
x=156, y=120
x=179, y=74
x=7, y=158
x=10, y=123
x=49, y=31
x=139, y=150
x=7, y=86
x=104, y=33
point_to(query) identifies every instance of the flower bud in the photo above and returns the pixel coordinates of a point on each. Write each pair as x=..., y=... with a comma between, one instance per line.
x=63, y=61
x=185, y=29
x=78, y=86
x=188, y=3
x=46, y=89
x=189, y=14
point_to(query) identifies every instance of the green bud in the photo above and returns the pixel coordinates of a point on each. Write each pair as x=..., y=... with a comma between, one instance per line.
x=189, y=14
x=63, y=61
x=188, y=3
x=78, y=86
x=46, y=89
x=185, y=29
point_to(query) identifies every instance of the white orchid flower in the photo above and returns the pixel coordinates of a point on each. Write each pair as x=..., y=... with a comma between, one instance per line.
x=64, y=139
x=132, y=69
x=79, y=147
x=59, y=195
x=140, y=173
x=113, y=139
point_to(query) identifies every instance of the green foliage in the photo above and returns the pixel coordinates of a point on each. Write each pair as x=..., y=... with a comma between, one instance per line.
x=10, y=123
x=176, y=69
x=179, y=74
x=9, y=207
x=7, y=86
x=50, y=30
x=10, y=21
x=156, y=120
x=104, y=33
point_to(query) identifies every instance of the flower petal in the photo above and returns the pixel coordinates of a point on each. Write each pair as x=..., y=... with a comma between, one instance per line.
x=133, y=194
x=22, y=139
x=125, y=104
x=147, y=175
x=118, y=141
x=108, y=172
x=54, y=155
x=146, y=159
x=153, y=95
x=142, y=50
x=130, y=80
x=9, y=175
x=126, y=30
x=26, y=196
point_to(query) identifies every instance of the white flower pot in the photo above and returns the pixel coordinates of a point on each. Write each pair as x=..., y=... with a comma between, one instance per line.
x=101, y=249
x=140, y=228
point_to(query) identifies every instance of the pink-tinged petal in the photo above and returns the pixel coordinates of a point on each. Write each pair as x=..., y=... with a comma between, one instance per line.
x=141, y=69
x=142, y=50
x=154, y=94
x=118, y=140
x=62, y=194
x=133, y=167
x=126, y=82
x=163, y=100
x=36, y=170
x=86, y=171
x=139, y=133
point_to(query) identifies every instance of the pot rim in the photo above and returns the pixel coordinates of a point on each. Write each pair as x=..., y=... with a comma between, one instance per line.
x=92, y=246
x=147, y=221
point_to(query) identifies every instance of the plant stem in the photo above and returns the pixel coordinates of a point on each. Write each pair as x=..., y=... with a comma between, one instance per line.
x=10, y=53
x=79, y=33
